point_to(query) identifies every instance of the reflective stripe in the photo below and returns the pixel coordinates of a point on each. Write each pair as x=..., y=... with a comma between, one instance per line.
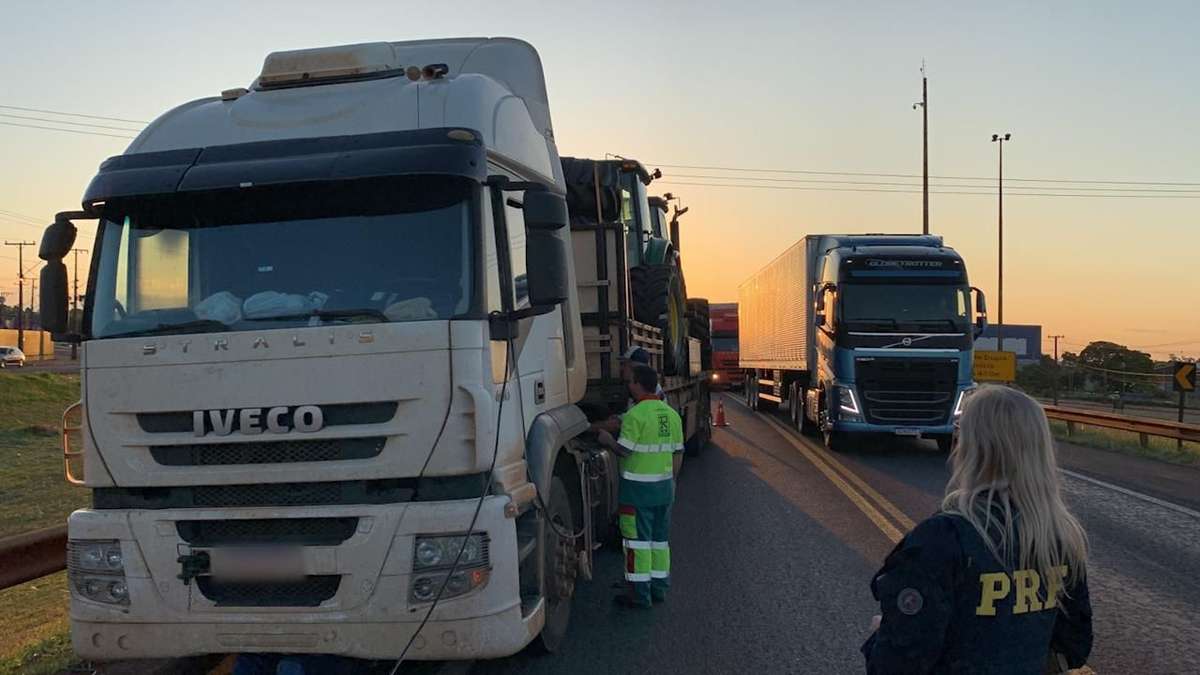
x=630, y=543
x=655, y=574
x=627, y=444
x=659, y=545
x=638, y=576
x=646, y=477
x=650, y=447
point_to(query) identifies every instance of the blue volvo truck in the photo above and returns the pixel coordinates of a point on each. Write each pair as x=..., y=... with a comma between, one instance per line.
x=862, y=334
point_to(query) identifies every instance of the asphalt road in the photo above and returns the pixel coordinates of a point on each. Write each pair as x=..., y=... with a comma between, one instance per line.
x=774, y=542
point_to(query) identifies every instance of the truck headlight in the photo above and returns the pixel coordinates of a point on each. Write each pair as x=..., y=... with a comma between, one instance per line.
x=962, y=399
x=92, y=555
x=434, y=555
x=433, y=552
x=96, y=569
x=847, y=401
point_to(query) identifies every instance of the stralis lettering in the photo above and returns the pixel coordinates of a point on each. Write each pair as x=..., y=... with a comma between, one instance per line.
x=251, y=421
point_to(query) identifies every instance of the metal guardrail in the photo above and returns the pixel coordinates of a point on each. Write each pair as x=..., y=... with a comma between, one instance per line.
x=32, y=555
x=1145, y=427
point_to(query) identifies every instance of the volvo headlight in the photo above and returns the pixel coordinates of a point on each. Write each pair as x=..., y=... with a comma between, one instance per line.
x=847, y=401
x=962, y=400
x=96, y=569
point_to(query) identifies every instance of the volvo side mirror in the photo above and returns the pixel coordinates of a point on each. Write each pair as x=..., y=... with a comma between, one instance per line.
x=980, y=312
x=546, y=248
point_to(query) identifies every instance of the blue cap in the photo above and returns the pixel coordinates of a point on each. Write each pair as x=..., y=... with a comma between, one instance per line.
x=637, y=355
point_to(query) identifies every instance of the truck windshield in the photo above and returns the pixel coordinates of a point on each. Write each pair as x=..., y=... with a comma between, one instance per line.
x=299, y=255
x=934, y=308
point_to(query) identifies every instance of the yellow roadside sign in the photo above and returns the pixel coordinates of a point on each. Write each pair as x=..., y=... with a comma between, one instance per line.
x=993, y=366
x=1185, y=376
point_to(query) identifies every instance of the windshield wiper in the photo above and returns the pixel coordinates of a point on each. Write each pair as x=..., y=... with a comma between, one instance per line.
x=197, y=326
x=359, y=313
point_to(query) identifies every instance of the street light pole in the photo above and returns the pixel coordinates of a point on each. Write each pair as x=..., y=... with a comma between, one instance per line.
x=997, y=138
x=924, y=105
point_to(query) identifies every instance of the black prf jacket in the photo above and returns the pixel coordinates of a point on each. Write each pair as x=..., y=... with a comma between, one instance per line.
x=949, y=606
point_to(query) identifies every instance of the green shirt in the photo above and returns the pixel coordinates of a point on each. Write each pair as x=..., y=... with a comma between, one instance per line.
x=652, y=432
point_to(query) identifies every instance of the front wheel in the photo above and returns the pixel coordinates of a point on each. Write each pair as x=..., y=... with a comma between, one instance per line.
x=945, y=444
x=562, y=564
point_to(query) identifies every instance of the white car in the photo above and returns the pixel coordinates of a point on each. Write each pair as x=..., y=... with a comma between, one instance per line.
x=11, y=356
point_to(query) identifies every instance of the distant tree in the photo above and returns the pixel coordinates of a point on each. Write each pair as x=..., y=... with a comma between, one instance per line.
x=1038, y=378
x=1117, y=366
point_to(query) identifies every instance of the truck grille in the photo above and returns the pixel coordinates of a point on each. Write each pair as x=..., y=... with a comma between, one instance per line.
x=308, y=592
x=240, y=532
x=915, y=392
x=267, y=452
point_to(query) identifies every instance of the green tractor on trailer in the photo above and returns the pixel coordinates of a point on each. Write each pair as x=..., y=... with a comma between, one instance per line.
x=632, y=291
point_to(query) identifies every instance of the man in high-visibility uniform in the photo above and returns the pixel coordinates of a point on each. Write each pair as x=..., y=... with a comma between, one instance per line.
x=651, y=433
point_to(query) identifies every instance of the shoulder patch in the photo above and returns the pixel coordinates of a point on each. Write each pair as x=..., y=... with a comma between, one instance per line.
x=910, y=601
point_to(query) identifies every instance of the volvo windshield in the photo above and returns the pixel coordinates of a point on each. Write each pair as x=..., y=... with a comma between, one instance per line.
x=925, y=308
x=375, y=250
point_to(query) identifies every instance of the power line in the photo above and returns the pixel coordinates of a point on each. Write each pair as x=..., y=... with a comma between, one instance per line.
x=71, y=114
x=940, y=192
x=74, y=124
x=990, y=188
x=69, y=131
x=910, y=175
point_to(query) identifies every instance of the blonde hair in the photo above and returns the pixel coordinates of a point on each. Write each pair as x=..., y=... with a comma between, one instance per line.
x=1005, y=463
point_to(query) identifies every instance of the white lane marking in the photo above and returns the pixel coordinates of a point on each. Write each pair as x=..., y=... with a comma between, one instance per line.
x=1136, y=495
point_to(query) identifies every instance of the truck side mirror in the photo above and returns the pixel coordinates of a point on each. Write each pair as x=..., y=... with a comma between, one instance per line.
x=53, y=296
x=980, y=312
x=59, y=236
x=546, y=247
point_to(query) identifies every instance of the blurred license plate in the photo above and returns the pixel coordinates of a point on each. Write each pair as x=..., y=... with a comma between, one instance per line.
x=256, y=564
x=915, y=433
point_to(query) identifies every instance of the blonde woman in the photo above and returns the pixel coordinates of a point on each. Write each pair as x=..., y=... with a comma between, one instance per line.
x=996, y=581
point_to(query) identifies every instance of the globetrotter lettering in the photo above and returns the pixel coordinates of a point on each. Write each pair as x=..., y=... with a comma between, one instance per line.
x=876, y=262
x=251, y=421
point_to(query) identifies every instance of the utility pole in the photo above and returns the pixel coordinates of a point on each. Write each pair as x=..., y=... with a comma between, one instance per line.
x=1056, y=338
x=20, y=289
x=924, y=105
x=1001, y=140
x=75, y=300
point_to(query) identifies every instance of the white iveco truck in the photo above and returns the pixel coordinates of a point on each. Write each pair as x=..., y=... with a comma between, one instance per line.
x=332, y=328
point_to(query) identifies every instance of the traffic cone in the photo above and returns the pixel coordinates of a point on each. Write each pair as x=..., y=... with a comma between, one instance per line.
x=720, y=420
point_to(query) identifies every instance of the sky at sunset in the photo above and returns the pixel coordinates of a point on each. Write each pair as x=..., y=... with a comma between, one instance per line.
x=1090, y=91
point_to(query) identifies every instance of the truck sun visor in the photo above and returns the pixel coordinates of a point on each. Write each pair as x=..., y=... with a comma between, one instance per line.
x=396, y=153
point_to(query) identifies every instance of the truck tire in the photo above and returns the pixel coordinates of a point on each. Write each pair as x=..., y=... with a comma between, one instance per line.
x=658, y=301
x=945, y=443
x=561, y=558
x=835, y=441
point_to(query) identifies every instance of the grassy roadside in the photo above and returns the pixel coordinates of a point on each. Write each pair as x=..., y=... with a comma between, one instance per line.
x=33, y=494
x=35, y=627
x=1127, y=442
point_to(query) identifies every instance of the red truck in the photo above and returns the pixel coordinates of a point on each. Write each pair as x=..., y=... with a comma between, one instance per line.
x=723, y=318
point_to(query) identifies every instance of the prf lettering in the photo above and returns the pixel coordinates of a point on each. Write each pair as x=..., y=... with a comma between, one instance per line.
x=1024, y=586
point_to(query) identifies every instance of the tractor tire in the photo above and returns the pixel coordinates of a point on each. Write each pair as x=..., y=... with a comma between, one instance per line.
x=658, y=301
x=700, y=328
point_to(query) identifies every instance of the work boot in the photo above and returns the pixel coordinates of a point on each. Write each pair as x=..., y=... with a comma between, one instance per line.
x=658, y=595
